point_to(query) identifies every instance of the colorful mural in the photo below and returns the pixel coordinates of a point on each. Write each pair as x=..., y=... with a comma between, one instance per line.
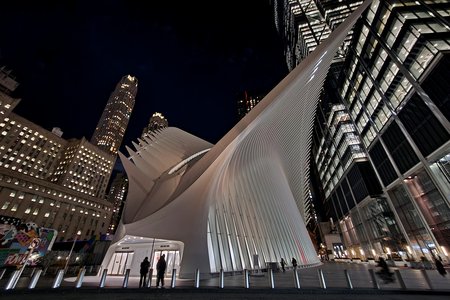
x=16, y=240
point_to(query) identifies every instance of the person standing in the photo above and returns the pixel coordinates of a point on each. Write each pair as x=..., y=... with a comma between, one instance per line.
x=440, y=267
x=294, y=263
x=145, y=264
x=283, y=263
x=160, y=269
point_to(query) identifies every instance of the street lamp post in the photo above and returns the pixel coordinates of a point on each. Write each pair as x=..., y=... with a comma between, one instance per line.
x=71, y=250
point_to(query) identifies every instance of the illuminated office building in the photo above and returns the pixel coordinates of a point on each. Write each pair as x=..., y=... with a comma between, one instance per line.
x=48, y=180
x=82, y=167
x=108, y=134
x=394, y=89
x=156, y=122
x=304, y=24
x=7, y=85
x=246, y=104
x=334, y=13
x=302, y=27
x=117, y=196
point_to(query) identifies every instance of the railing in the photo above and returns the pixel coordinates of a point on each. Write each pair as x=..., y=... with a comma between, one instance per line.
x=404, y=280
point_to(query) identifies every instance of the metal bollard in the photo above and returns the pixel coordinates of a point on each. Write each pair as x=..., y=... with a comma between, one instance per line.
x=374, y=279
x=35, y=278
x=322, y=279
x=246, y=279
x=2, y=273
x=296, y=279
x=125, y=279
x=13, y=280
x=427, y=279
x=221, y=280
x=271, y=279
x=197, y=278
x=103, y=279
x=58, y=279
x=80, y=277
x=349, y=281
x=150, y=275
x=174, y=278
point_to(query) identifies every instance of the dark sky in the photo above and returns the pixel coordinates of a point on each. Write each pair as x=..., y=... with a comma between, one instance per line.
x=193, y=60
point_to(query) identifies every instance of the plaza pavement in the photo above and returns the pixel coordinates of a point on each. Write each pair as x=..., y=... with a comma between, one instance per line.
x=417, y=286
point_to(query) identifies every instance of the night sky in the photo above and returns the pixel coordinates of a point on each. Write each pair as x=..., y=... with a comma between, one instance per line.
x=193, y=61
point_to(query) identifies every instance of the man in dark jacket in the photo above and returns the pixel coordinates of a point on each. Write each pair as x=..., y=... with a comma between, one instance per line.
x=440, y=267
x=161, y=269
x=294, y=263
x=384, y=272
x=145, y=264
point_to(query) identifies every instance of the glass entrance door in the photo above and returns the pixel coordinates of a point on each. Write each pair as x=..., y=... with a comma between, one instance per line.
x=119, y=262
x=172, y=260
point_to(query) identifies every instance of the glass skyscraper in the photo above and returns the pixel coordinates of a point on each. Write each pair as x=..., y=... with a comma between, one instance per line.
x=381, y=142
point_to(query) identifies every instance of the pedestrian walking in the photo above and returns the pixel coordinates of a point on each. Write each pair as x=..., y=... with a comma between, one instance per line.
x=440, y=267
x=160, y=269
x=384, y=272
x=283, y=263
x=294, y=263
x=145, y=264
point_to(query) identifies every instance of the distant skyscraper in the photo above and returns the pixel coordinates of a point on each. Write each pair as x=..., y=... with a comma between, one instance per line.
x=7, y=85
x=157, y=121
x=7, y=82
x=246, y=104
x=111, y=128
x=117, y=196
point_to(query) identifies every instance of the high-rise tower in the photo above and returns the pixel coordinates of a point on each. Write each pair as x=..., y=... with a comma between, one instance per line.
x=156, y=122
x=381, y=138
x=111, y=128
x=117, y=196
x=246, y=104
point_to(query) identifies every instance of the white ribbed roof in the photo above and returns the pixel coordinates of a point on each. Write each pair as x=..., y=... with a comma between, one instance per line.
x=247, y=194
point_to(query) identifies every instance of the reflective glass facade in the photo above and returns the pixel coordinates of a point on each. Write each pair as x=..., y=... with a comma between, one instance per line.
x=394, y=87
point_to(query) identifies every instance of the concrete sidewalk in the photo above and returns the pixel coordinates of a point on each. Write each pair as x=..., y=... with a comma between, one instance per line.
x=418, y=284
x=218, y=294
